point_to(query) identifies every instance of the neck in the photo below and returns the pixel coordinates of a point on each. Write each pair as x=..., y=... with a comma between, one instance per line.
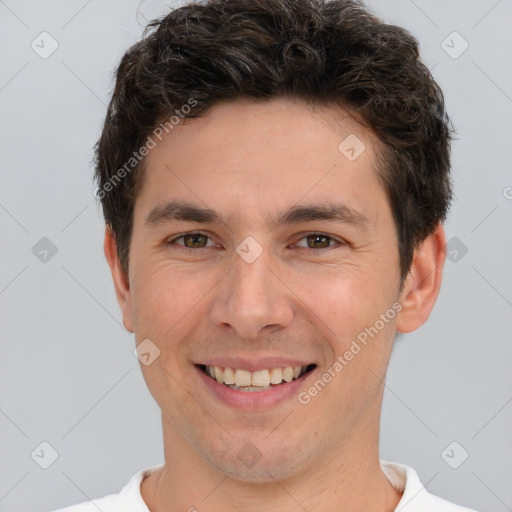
x=349, y=478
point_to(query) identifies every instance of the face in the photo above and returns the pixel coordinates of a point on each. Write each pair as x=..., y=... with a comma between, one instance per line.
x=253, y=288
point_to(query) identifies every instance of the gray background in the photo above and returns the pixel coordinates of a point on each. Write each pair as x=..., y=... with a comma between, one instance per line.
x=68, y=375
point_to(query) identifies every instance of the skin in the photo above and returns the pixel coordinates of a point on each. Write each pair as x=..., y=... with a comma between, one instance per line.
x=249, y=160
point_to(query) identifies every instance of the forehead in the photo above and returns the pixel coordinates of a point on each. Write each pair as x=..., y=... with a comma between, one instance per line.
x=262, y=155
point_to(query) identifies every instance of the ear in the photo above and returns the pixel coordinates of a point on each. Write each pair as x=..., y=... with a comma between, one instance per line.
x=121, y=283
x=423, y=282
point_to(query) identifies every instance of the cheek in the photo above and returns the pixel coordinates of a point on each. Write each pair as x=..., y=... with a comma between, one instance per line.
x=167, y=299
x=350, y=303
x=346, y=299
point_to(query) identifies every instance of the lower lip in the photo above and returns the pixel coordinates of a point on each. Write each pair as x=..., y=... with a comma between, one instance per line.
x=253, y=399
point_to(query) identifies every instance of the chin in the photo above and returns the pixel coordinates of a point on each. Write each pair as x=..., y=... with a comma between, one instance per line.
x=246, y=463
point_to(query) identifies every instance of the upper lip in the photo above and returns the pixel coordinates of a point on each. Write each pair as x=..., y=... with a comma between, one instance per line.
x=254, y=364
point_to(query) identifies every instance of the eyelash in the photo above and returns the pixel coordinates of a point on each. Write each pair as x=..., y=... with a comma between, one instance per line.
x=313, y=250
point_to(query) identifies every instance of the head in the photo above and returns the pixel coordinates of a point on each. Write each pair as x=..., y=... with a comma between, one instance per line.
x=247, y=109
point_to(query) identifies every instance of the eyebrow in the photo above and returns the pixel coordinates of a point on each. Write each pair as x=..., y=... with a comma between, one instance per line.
x=188, y=212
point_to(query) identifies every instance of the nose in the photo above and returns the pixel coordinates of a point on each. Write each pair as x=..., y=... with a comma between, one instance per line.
x=252, y=298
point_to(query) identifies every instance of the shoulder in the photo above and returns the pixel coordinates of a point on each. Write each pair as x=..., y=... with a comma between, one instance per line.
x=129, y=499
x=415, y=497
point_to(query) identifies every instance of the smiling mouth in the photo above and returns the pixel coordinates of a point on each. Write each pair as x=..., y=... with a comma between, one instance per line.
x=259, y=380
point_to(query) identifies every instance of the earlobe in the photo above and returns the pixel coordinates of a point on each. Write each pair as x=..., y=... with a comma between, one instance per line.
x=120, y=279
x=423, y=282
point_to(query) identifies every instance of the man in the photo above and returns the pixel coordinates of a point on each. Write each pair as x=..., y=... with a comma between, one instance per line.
x=274, y=175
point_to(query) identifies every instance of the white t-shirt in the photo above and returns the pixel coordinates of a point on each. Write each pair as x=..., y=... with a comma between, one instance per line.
x=415, y=498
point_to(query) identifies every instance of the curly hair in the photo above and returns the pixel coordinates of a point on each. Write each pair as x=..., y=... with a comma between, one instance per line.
x=329, y=52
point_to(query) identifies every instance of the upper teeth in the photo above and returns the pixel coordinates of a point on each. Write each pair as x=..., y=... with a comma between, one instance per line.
x=260, y=378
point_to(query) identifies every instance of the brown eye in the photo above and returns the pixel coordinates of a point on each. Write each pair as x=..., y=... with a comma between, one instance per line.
x=193, y=241
x=318, y=241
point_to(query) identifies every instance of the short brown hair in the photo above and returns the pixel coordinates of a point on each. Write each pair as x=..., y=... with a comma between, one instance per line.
x=330, y=52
